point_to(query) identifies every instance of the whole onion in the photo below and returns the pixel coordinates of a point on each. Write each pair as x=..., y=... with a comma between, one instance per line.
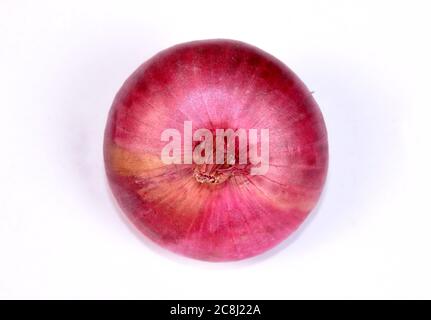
x=210, y=211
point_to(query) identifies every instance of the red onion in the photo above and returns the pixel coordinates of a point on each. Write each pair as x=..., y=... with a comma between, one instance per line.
x=213, y=211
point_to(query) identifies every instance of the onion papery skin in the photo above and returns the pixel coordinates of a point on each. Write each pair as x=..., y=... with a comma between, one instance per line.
x=215, y=84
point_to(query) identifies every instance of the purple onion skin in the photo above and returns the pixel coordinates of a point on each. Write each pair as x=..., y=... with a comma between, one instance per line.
x=216, y=84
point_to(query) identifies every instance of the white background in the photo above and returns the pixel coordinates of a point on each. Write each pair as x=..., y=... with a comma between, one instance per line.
x=61, y=63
